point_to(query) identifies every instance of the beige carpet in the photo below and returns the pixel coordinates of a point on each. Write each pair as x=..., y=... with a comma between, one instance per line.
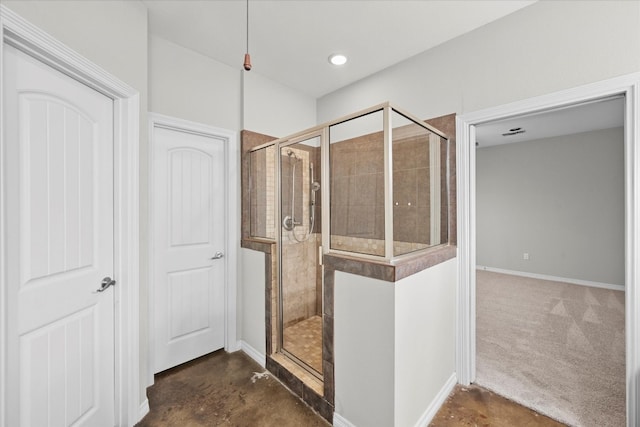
x=554, y=347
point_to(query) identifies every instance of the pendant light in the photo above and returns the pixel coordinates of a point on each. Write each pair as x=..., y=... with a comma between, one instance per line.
x=247, y=57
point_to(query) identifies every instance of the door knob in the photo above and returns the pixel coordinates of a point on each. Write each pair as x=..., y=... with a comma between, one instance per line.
x=106, y=282
x=217, y=255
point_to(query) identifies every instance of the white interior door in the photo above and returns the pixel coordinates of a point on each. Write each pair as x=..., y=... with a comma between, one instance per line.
x=58, y=187
x=189, y=235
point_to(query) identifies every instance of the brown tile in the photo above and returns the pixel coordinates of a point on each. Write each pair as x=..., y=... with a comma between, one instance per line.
x=404, y=223
x=405, y=184
x=379, y=199
x=318, y=403
x=423, y=187
x=369, y=162
x=378, y=211
x=329, y=382
x=382, y=270
x=248, y=140
x=329, y=276
x=327, y=339
x=362, y=189
x=422, y=151
x=418, y=262
x=360, y=222
x=446, y=124
x=290, y=380
x=403, y=155
x=339, y=218
x=339, y=190
x=453, y=208
x=423, y=224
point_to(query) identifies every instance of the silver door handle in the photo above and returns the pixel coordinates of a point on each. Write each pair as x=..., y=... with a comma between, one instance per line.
x=217, y=255
x=106, y=282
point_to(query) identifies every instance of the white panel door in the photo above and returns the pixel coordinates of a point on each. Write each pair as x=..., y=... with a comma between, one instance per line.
x=58, y=184
x=189, y=230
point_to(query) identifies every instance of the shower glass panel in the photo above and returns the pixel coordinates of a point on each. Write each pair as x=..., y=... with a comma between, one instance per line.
x=356, y=158
x=262, y=182
x=300, y=271
x=419, y=194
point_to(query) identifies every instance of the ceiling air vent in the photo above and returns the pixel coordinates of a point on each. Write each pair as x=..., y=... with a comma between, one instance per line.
x=514, y=131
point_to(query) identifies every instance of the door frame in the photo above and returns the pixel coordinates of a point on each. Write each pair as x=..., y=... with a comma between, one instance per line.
x=232, y=225
x=629, y=86
x=19, y=33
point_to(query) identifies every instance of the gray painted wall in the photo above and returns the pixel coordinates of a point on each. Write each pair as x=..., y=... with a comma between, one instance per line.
x=561, y=200
x=546, y=47
x=540, y=49
x=112, y=34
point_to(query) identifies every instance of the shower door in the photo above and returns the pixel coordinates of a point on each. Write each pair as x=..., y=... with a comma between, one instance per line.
x=300, y=302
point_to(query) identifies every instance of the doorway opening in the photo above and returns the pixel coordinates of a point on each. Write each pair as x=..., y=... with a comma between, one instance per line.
x=626, y=86
x=550, y=261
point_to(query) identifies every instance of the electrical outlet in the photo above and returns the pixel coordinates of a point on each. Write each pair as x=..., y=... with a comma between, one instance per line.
x=525, y=256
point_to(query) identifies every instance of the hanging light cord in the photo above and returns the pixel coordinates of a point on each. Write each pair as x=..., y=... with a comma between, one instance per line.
x=247, y=57
x=247, y=26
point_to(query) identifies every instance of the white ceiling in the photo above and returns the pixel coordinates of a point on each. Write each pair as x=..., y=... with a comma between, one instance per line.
x=603, y=114
x=290, y=41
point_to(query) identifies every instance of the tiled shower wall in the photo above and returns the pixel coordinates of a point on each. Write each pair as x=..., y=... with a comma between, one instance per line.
x=411, y=196
x=299, y=279
x=262, y=182
x=357, y=187
x=301, y=274
x=357, y=194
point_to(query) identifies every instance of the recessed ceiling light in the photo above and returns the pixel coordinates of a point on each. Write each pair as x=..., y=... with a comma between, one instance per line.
x=338, y=59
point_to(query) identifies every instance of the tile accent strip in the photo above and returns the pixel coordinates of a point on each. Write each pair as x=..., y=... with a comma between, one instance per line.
x=390, y=272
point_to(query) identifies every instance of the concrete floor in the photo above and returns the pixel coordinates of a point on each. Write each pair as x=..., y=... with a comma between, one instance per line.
x=224, y=389
x=230, y=389
x=477, y=407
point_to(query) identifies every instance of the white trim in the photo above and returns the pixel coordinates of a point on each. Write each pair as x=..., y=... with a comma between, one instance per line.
x=253, y=353
x=434, y=188
x=629, y=86
x=465, y=201
x=233, y=347
x=232, y=225
x=144, y=409
x=340, y=421
x=580, y=282
x=437, y=402
x=426, y=417
x=23, y=35
x=388, y=183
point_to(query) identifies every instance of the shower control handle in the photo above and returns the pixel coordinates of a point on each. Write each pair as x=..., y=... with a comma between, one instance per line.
x=289, y=223
x=217, y=255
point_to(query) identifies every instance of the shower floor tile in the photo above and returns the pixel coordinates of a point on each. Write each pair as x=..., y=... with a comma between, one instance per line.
x=304, y=340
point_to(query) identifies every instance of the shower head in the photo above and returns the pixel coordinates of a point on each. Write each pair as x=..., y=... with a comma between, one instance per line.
x=290, y=153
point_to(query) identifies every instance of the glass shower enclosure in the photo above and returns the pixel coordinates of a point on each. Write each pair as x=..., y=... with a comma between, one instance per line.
x=371, y=185
x=300, y=305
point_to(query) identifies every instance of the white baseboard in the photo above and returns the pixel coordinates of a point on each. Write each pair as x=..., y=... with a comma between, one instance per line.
x=233, y=347
x=427, y=416
x=437, y=402
x=340, y=421
x=253, y=353
x=553, y=278
x=144, y=409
